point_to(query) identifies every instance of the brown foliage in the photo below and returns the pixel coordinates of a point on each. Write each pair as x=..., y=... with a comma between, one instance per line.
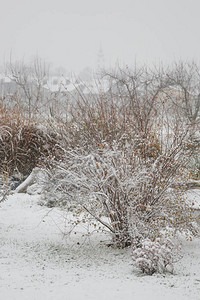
x=22, y=144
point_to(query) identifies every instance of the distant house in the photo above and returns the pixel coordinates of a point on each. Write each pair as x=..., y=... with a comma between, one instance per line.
x=57, y=83
x=7, y=86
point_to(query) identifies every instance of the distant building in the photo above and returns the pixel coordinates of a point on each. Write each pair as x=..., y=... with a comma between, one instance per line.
x=100, y=60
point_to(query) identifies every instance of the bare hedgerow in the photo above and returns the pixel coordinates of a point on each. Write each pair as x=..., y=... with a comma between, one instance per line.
x=125, y=156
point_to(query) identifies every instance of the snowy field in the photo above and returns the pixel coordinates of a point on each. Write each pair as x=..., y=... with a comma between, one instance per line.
x=37, y=261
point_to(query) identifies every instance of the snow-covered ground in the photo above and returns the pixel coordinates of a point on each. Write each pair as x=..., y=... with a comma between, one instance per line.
x=37, y=261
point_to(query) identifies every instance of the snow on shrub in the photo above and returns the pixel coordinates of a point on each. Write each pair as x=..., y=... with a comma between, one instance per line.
x=116, y=182
x=156, y=256
x=125, y=158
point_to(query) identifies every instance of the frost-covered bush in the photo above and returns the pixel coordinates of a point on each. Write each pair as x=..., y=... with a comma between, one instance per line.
x=115, y=182
x=124, y=158
x=158, y=256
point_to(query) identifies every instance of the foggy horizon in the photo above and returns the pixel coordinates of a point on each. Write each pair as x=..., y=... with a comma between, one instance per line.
x=69, y=34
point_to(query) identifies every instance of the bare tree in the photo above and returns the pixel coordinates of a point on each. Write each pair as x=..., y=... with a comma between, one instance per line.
x=184, y=79
x=30, y=80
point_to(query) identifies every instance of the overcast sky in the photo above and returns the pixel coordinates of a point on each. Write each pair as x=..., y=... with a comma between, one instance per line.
x=69, y=33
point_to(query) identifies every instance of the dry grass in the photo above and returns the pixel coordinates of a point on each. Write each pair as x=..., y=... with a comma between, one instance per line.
x=22, y=143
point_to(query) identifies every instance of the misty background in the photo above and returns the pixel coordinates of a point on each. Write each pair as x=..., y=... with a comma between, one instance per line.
x=78, y=34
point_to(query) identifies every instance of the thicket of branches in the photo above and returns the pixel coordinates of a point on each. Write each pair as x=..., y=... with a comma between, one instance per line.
x=125, y=150
x=125, y=155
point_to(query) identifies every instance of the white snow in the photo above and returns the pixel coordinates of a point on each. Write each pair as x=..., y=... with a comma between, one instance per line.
x=193, y=198
x=37, y=261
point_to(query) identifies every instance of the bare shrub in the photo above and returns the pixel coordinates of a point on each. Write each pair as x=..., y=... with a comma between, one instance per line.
x=124, y=158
